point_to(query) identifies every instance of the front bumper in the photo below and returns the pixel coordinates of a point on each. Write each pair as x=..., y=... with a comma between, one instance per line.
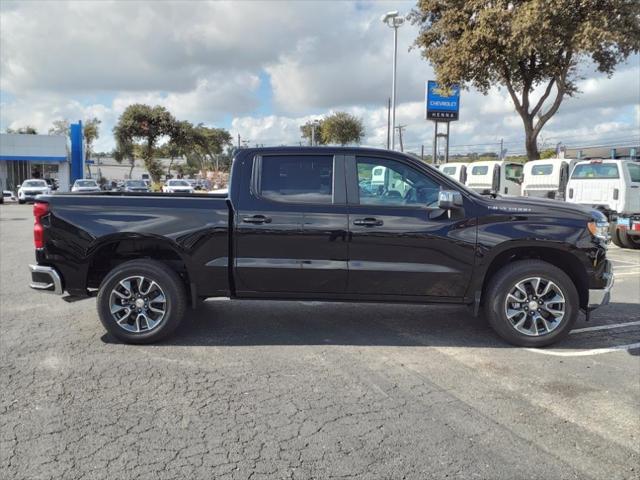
x=45, y=279
x=601, y=296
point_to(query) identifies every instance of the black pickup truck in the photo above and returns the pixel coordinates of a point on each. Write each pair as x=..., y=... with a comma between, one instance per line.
x=334, y=224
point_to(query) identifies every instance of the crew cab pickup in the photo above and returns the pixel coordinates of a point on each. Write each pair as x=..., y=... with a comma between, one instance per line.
x=316, y=223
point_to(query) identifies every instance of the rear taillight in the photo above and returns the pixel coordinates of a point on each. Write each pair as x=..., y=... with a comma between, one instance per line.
x=571, y=193
x=616, y=194
x=39, y=210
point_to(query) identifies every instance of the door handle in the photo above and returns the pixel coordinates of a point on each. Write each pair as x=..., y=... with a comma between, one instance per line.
x=257, y=219
x=368, y=222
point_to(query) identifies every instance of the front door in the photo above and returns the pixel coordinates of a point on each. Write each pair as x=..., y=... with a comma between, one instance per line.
x=401, y=243
x=291, y=226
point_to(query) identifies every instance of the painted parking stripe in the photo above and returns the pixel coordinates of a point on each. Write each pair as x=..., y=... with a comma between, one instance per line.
x=585, y=353
x=604, y=327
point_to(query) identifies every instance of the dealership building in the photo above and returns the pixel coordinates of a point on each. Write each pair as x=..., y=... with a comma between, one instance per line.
x=24, y=156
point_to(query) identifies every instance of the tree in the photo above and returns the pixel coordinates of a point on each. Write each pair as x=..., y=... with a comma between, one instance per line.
x=524, y=45
x=181, y=142
x=26, y=130
x=60, y=127
x=210, y=143
x=144, y=124
x=307, y=131
x=342, y=128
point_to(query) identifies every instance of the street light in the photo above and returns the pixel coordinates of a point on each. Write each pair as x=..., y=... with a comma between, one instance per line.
x=393, y=20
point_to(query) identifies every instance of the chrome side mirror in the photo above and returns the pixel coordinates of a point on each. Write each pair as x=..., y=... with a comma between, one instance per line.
x=449, y=199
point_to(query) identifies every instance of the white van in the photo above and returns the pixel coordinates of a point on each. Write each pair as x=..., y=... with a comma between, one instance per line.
x=455, y=170
x=612, y=186
x=547, y=178
x=495, y=176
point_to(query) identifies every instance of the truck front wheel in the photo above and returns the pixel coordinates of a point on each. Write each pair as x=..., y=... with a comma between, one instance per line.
x=141, y=301
x=531, y=303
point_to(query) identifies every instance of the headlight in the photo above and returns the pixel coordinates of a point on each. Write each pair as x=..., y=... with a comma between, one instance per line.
x=599, y=229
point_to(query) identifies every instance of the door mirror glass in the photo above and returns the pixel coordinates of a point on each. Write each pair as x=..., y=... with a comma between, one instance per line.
x=449, y=199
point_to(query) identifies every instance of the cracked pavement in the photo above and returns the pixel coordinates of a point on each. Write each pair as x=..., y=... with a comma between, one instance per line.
x=305, y=390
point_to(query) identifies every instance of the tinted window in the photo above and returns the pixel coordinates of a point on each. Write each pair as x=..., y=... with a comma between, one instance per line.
x=479, y=170
x=449, y=170
x=595, y=170
x=634, y=171
x=178, y=183
x=135, y=183
x=86, y=183
x=290, y=178
x=541, y=170
x=388, y=182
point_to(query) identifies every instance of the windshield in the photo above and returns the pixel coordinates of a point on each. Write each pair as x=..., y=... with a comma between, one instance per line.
x=179, y=183
x=86, y=183
x=35, y=183
x=449, y=170
x=591, y=171
x=544, y=169
x=135, y=183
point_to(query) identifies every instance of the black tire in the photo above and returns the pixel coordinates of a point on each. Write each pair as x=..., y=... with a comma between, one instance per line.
x=627, y=240
x=168, y=281
x=615, y=238
x=21, y=202
x=505, y=280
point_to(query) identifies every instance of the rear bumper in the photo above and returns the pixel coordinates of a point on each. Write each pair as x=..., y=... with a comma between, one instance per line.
x=601, y=296
x=45, y=279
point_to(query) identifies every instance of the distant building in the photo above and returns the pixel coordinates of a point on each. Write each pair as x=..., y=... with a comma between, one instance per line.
x=25, y=156
x=108, y=168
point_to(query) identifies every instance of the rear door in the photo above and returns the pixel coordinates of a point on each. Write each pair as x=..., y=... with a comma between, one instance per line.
x=291, y=226
x=402, y=245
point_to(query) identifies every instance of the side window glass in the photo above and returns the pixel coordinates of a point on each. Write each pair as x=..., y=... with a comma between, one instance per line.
x=297, y=179
x=388, y=182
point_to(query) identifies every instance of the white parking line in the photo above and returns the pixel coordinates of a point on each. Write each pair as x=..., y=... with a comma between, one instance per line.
x=603, y=327
x=584, y=353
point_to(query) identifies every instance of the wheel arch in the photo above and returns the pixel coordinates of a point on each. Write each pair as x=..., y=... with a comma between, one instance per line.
x=114, y=251
x=558, y=256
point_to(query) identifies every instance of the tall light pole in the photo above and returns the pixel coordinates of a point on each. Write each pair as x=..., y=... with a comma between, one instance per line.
x=393, y=20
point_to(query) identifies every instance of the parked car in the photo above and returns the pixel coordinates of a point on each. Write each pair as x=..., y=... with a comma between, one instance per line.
x=612, y=186
x=547, y=178
x=31, y=188
x=177, y=186
x=8, y=197
x=85, y=186
x=295, y=226
x=493, y=177
x=135, y=186
x=456, y=170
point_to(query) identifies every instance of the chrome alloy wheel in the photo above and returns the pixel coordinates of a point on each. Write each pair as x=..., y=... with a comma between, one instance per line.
x=535, y=306
x=137, y=304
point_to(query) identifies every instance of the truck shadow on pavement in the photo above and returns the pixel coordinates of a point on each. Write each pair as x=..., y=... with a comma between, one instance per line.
x=254, y=323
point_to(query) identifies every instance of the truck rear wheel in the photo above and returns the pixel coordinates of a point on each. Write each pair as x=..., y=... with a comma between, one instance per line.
x=531, y=303
x=615, y=237
x=628, y=241
x=141, y=301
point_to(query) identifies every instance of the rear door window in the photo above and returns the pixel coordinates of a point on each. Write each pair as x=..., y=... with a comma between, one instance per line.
x=541, y=169
x=634, y=171
x=591, y=171
x=479, y=170
x=297, y=178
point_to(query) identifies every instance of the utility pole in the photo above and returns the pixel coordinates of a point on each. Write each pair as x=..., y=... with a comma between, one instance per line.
x=501, y=148
x=400, y=127
x=422, y=153
x=238, y=140
x=389, y=123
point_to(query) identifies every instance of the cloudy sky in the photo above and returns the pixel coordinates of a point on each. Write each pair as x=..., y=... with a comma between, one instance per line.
x=261, y=69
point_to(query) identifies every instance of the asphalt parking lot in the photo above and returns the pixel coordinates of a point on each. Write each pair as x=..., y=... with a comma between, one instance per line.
x=306, y=390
